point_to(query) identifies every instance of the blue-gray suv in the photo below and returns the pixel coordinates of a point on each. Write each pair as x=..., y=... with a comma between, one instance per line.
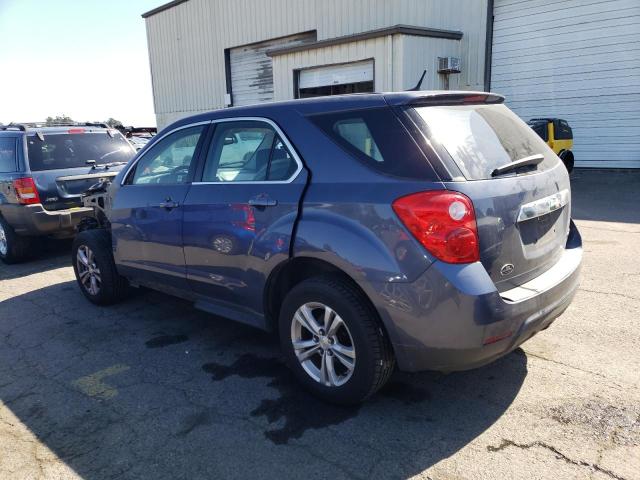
x=44, y=170
x=427, y=230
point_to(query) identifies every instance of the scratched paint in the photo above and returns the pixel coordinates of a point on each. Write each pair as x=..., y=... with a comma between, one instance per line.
x=94, y=386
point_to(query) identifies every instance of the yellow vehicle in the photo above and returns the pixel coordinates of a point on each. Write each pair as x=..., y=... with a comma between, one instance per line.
x=558, y=135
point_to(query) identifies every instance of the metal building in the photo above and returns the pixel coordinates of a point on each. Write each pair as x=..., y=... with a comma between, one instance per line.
x=578, y=60
x=574, y=59
x=209, y=54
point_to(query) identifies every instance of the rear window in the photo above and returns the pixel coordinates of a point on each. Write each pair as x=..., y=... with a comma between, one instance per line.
x=7, y=154
x=540, y=128
x=71, y=150
x=562, y=130
x=376, y=137
x=481, y=138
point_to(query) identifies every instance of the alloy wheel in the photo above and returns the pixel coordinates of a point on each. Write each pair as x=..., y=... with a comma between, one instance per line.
x=4, y=246
x=323, y=344
x=88, y=272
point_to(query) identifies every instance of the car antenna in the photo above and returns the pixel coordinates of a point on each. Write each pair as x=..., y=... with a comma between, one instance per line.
x=417, y=87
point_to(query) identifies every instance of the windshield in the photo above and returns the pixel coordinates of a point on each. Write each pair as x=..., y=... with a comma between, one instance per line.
x=481, y=138
x=72, y=150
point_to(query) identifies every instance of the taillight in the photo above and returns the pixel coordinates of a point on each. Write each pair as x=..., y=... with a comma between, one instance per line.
x=444, y=222
x=75, y=130
x=26, y=191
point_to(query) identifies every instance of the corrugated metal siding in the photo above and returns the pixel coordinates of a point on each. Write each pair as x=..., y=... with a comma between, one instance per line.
x=252, y=69
x=422, y=53
x=576, y=60
x=187, y=42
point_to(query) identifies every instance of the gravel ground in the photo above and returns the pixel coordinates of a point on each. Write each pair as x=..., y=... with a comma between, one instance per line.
x=154, y=389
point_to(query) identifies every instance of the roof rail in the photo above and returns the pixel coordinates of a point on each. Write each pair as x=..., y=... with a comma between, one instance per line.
x=15, y=126
x=23, y=126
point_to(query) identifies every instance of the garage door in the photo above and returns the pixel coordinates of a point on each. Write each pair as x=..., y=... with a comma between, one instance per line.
x=252, y=70
x=353, y=77
x=355, y=72
x=578, y=60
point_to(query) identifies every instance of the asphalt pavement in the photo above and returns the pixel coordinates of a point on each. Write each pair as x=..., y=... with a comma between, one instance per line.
x=154, y=389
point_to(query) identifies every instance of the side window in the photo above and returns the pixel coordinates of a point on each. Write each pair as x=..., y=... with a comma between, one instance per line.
x=7, y=154
x=169, y=160
x=247, y=151
x=356, y=132
x=377, y=138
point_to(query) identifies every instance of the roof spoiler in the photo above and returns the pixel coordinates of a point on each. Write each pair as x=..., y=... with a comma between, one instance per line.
x=447, y=98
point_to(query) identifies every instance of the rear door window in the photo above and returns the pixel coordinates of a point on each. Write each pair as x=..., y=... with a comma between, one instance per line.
x=481, y=138
x=376, y=137
x=247, y=151
x=7, y=155
x=72, y=150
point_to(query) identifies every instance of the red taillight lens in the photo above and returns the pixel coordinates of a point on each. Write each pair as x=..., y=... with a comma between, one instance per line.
x=444, y=222
x=75, y=130
x=26, y=191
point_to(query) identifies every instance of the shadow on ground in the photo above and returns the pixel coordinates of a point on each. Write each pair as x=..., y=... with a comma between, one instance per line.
x=48, y=254
x=605, y=195
x=155, y=389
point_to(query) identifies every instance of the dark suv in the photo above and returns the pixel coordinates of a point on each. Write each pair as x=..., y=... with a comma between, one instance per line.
x=43, y=172
x=430, y=230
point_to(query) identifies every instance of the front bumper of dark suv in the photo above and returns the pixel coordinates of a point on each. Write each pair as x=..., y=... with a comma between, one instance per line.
x=453, y=318
x=35, y=220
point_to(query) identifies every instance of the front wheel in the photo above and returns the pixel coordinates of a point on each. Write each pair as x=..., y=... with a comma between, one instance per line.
x=95, y=268
x=333, y=341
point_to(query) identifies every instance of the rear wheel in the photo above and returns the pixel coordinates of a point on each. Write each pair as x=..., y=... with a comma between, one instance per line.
x=567, y=158
x=333, y=341
x=13, y=247
x=95, y=268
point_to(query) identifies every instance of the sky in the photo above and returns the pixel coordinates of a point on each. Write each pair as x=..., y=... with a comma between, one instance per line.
x=86, y=59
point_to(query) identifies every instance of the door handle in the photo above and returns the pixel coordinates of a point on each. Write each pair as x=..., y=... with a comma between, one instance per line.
x=262, y=201
x=168, y=204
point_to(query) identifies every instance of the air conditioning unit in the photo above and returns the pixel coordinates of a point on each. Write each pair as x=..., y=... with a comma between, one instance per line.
x=448, y=65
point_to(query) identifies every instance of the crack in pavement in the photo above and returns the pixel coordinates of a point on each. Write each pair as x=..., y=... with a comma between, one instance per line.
x=630, y=297
x=604, y=229
x=589, y=372
x=559, y=455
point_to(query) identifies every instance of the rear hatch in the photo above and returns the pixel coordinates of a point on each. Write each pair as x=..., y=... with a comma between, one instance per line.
x=66, y=163
x=523, y=214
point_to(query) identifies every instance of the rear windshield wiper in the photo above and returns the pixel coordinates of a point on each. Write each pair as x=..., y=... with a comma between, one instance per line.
x=523, y=162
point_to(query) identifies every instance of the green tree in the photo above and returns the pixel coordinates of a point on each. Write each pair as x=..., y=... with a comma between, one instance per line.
x=113, y=123
x=58, y=119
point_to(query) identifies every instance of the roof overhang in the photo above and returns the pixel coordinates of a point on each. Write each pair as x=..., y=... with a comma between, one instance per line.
x=380, y=32
x=162, y=8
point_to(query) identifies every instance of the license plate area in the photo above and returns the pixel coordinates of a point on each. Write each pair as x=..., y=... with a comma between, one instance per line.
x=543, y=229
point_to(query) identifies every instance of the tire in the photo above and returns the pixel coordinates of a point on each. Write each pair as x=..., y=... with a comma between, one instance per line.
x=567, y=158
x=95, y=247
x=373, y=360
x=14, y=248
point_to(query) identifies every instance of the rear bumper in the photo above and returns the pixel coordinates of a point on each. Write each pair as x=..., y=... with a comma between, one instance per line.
x=453, y=318
x=34, y=220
